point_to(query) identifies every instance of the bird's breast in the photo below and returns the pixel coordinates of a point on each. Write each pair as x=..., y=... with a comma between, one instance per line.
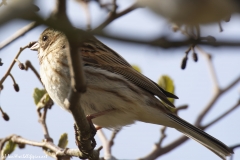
x=54, y=72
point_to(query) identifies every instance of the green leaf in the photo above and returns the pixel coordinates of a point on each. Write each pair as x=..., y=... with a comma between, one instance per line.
x=9, y=148
x=137, y=68
x=63, y=141
x=167, y=84
x=38, y=94
x=43, y=101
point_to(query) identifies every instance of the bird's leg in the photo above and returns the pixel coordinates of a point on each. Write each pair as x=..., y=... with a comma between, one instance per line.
x=98, y=114
x=95, y=115
x=98, y=127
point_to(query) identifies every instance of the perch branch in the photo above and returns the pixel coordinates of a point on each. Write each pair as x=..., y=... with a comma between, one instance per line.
x=49, y=145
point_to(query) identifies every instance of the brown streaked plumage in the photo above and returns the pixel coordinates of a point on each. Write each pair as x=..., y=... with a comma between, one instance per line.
x=111, y=61
x=112, y=84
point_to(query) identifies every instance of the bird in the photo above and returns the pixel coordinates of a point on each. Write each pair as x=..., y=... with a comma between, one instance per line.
x=114, y=88
x=192, y=12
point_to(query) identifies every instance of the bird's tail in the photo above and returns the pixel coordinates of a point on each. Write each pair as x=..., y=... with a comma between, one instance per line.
x=202, y=137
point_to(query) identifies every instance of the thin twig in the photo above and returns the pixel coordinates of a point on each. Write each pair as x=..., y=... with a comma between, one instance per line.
x=163, y=136
x=88, y=17
x=13, y=79
x=18, y=34
x=85, y=5
x=28, y=64
x=113, y=16
x=42, y=116
x=213, y=101
x=113, y=136
x=234, y=147
x=104, y=140
x=182, y=107
x=42, y=120
x=13, y=62
x=211, y=69
x=17, y=60
x=107, y=144
x=220, y=27
x=223, y=115
x=157, y=148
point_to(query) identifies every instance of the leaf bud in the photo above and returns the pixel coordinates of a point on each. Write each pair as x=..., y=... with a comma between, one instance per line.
x=5, y=116
x=184, y=62
x=21, y=66
x=16, y=87
x=195, y=57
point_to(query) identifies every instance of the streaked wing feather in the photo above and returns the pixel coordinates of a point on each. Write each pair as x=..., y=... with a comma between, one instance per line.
x=109, y=60
x=168, y=94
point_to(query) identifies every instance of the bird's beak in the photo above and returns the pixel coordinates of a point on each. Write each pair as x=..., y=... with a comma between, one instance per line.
x=35, y=47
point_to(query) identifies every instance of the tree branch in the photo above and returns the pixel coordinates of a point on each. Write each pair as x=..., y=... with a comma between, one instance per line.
x=163, y=136
x=107, y=144
x=163, y=42
x=157, y=151
x=113, y=16
x=223, y=115
x=49, y=145
x=211, y=69
x=42, y=116
x=213, y=100
x=59, y=12
x=113, y=136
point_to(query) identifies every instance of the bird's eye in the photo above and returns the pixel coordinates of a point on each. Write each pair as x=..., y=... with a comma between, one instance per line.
x=45, y=38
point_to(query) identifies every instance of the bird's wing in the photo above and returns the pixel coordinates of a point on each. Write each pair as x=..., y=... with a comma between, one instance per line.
x=94, y=53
